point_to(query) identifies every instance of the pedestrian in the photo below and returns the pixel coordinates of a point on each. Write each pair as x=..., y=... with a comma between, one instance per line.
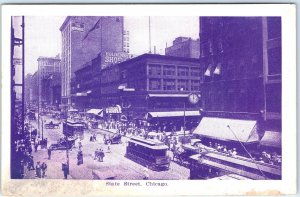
x=36, y=147
x=79, y=158
x=44, y=168
x=31, y=163
x=49, y=153
x=96, y=154
x=46, y=142
x=80, y=146
x=101, y=155
x=108, y=149
x=65, y=169
x=38, y=169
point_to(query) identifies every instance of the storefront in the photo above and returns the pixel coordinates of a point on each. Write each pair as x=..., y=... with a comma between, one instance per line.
x=173, y=120
x=113, y=113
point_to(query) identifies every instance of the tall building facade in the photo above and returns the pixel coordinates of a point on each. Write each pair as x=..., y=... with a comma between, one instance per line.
x=240, y=60
x=184, y=47
x=46, y=67
x=83, y=38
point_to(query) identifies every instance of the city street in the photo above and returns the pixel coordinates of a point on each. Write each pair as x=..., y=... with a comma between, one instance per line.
x=115, y=165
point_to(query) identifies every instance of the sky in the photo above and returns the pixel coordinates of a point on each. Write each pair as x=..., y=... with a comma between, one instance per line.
x=43, y=38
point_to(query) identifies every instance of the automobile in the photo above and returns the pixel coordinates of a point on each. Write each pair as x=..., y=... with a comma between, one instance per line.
x=52, y=125
x=63, y=144
x=114, y=139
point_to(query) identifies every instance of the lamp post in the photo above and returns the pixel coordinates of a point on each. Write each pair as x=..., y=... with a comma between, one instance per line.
x=42, y=127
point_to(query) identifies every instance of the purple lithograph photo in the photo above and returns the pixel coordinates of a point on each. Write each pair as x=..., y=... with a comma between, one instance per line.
x=146, y=98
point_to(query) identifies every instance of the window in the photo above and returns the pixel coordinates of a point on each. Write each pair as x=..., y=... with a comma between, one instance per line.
x=274, y=61
x=195, y=85
x=195, y=72
x=154, y=84
x=169, y=84
x=124, y=74
x=154, y=69
x=169, y=70
x=183, y=85
x=274, y=27
x=183, y=71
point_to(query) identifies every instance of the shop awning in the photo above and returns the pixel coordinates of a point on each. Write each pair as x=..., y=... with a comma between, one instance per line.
x=73, y=110
x=228, y=129
x=168, y=95
x=173, y=114
x=272, y=139
x=85, y=93
x=98, y=112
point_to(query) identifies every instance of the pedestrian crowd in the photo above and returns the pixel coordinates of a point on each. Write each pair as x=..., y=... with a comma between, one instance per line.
x=99, y=154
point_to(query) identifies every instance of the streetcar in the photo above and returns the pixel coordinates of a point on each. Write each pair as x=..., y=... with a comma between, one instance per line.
x=150, y=153
x=208, y=165
x=73, y=128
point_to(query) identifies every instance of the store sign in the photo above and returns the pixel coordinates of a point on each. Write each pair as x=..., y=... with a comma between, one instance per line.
x=78, y=27
x=109, y=58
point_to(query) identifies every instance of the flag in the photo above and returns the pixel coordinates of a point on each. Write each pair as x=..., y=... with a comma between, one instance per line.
x=96, y=26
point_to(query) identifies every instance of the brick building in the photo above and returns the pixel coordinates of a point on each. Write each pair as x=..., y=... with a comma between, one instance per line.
x=153, y=86
x=83, y=38
x=184, y=47
x=46, y=67
x=86, y=90
x=241, y=69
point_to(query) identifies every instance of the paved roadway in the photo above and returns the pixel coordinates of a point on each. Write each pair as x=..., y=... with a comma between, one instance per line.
x=115, y=164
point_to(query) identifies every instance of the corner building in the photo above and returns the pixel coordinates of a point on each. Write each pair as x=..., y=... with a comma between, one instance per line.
x=240, y=59
x=153, y=87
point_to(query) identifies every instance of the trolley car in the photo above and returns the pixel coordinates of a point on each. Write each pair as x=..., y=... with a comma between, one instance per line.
x=148, y=153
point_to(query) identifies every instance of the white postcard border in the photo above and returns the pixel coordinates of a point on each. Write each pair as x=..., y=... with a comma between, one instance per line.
x=182, y=187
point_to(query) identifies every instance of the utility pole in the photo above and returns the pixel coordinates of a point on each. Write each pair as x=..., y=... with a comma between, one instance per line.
x=149, y=35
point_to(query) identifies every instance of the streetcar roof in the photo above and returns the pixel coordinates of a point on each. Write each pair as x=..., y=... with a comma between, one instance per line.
x=151, y=144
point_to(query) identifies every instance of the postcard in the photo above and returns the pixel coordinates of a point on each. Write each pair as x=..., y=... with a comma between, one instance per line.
x=157, y=99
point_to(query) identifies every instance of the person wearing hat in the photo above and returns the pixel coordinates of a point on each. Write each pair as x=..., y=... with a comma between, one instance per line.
x=38, y=169
x=44, y=168
x=65, y=170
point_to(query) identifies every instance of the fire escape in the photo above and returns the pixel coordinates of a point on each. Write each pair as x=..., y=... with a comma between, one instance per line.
x=17, y=97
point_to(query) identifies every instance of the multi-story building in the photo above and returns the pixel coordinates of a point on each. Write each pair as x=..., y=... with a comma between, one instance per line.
x=83, y=38
x=46, y=67
x=184, y=47
x=153, y=86
x=28, y=87
x=241, y=69
x=126, y=45
x=52, y=84
x=86, y=90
